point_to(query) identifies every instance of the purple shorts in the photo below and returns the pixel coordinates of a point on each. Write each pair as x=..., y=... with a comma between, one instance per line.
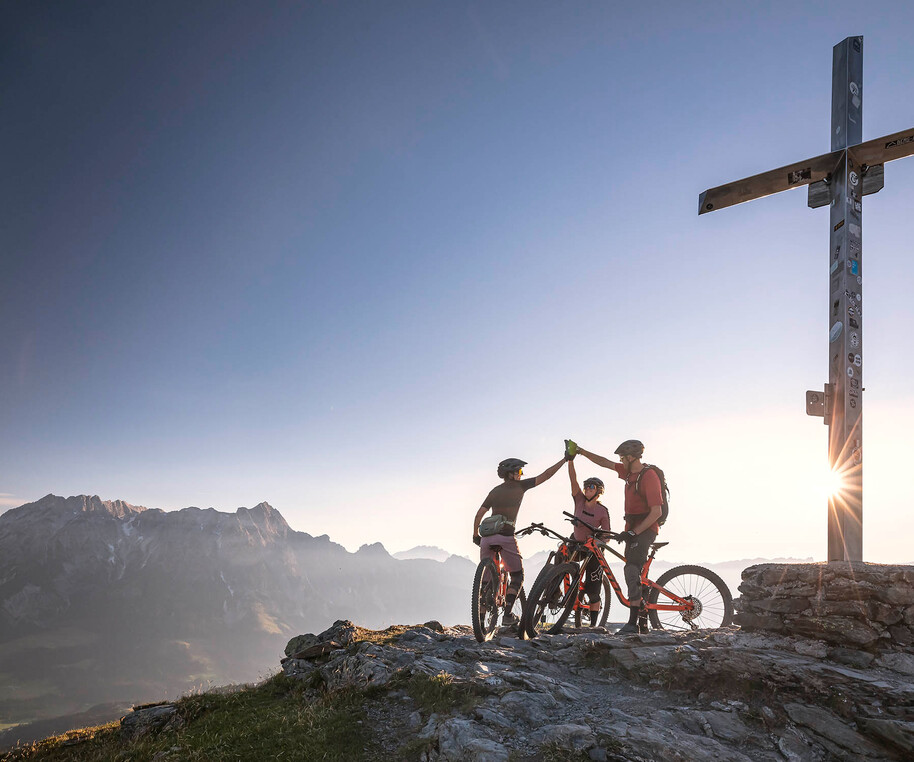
x=509, y=552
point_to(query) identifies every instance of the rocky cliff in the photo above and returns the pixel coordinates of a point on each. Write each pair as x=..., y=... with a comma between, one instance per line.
x=681, y=697
x=429, y=693
x=106, y=601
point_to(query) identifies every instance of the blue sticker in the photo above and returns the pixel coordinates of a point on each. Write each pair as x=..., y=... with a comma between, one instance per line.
x=855, y=266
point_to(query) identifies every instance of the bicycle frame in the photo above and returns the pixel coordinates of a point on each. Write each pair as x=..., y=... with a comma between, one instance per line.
x=596, y=549
x=681, y=603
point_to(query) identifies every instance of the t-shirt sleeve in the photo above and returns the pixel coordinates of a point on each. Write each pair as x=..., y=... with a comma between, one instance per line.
x=488, y=501
x=650, y=488
x=604, y=520
x=528, y=483
x=619, y=469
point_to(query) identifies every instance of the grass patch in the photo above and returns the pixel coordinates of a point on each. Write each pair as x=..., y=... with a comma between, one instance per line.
x=441, y=693
x=383, y=637
x=279, y=719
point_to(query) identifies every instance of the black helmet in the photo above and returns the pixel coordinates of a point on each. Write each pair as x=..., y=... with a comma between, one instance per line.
x=509, y=466
x=630, y=447
x=594, y=482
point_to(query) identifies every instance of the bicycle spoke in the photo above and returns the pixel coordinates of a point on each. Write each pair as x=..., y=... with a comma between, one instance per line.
x=709, y=596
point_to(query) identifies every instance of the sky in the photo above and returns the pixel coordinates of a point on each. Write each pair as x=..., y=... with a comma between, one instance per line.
x=344, y=257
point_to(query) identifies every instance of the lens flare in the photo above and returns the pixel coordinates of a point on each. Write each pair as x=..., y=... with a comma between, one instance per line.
x=831, y=482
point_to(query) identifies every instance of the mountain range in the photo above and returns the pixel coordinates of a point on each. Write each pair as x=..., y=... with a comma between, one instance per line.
x=104, y=601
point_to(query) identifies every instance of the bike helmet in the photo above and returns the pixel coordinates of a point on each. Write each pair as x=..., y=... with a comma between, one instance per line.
x=630, y=447
x=509, y=466
x=593, y=481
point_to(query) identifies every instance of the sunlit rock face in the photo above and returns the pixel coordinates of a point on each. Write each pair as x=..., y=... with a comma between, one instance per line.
x=697, y=696
x=103, y=600
x=867, y=605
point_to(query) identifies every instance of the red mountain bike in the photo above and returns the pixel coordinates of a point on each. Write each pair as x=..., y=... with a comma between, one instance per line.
x=490, y=590
x=683, y=598
x=568, y=550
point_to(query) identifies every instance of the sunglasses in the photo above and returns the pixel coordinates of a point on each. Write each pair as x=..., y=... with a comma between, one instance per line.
x=590, y=486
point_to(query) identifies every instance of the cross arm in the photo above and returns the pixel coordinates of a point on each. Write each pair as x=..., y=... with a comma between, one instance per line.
x=775, y=181
x=889, y=147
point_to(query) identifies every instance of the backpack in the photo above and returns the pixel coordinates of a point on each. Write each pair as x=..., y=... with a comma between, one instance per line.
x=664, y=491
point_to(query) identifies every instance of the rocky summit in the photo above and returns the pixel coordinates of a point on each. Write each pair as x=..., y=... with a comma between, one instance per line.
x=678, y=697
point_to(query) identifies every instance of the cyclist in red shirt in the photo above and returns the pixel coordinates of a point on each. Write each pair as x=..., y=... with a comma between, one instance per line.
x=505, y=500
x=588, y=508
x=642, y=511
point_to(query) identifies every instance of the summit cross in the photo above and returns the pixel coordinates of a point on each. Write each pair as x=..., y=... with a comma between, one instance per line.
x=839, y=179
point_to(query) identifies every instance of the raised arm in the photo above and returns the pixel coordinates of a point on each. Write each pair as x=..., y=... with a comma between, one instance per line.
x=575, y=487
x=598, y=459
x=548, y=473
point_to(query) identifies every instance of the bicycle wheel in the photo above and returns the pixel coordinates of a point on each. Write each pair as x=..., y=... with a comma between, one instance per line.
x=606, y=600
x=483, y=609
x=551, y=599
x=713, y=602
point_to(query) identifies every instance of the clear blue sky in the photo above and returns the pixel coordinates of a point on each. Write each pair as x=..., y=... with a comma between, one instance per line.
x=345, y=257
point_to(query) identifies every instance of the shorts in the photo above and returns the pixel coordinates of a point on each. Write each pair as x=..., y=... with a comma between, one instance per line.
x=509, y=551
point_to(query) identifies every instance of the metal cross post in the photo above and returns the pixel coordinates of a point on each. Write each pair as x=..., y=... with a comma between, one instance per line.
x=841, y=178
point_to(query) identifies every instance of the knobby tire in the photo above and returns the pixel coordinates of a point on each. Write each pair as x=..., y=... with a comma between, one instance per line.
x=484, y=612
x=702, y=584
x=551, y=599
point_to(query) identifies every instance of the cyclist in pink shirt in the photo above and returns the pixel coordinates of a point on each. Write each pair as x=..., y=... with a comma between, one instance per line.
x=588, y=508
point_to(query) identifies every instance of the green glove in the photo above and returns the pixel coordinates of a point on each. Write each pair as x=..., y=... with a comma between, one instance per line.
x=571, y=449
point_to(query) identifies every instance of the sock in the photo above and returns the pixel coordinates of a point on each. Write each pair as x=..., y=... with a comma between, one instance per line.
x=633, y=613
x=509, y=601
x=594, y=616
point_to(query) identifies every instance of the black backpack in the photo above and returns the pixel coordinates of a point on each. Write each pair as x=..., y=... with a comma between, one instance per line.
x=664, y=491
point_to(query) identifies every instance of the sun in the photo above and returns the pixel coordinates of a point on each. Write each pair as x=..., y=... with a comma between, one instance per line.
x=831, y=481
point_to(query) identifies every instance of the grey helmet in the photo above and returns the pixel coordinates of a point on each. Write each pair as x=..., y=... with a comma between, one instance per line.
x=509, y=466
x=593, y=481
x=630, y=447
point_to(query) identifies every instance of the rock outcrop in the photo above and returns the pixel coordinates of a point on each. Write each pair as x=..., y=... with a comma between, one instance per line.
x=683, y=697
x=870, y=606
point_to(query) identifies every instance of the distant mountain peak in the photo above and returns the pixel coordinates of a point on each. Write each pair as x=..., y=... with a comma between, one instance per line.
x=430, y=552
x=56, y=507
x=373, y=549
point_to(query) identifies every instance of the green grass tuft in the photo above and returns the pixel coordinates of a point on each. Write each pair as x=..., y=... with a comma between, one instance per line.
x=279, y=719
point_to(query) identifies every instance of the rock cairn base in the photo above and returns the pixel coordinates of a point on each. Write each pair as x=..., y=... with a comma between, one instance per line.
x=855, y=604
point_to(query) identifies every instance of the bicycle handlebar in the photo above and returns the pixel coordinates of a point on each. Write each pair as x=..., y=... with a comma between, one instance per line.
x=543, y=530
x=576, y=520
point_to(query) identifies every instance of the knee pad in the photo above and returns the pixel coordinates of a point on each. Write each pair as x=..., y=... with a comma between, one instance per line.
x=517, y=580
x=592, y=590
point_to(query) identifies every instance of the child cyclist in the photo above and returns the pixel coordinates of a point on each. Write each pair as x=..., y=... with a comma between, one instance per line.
x=588, y=508
x=504, y=500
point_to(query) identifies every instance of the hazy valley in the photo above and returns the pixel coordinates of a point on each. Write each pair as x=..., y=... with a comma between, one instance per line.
x=104, y=601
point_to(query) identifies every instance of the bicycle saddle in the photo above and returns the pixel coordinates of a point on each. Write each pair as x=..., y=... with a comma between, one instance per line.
x=497, y=548
x=658, y=545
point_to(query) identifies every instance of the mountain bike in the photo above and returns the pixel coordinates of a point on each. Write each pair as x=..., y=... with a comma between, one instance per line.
x=490, y=589
x=569, y=550
x=685, y=597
